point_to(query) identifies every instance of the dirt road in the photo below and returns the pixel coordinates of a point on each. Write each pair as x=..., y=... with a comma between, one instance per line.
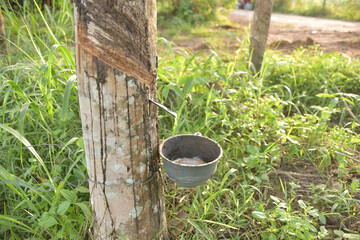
x=288, y=31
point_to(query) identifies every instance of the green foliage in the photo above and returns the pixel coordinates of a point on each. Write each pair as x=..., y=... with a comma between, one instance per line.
x=297, y=109
x=283, y=221
x=192, y=11
x=38, y=105
x=340, y=9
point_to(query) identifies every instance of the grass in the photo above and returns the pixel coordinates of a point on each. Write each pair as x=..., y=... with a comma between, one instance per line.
x=298, y=117
x=294, y=112
x=38, y=100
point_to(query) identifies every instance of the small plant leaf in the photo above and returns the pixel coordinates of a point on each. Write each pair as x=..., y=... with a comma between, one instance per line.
x=302, y=204
x=252, y=149
x=293, y=139
x=272, y=237
x=259, y=215
x=82, y=189
x=333, y=208
x=322, y=219
x=85, y=208
x=64, y=112
x=351, y=236
x=339, y=232
x=326, y=95
x=69, y=195
x=63, y=207
x=47, y=220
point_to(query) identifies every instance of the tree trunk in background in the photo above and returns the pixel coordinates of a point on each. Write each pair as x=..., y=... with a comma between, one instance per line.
x=324, y=4
x=259, y=31
x=3, y=44
x=116, y=67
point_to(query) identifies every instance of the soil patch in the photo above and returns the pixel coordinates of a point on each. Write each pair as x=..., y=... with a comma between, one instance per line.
x=286, y=45
x=286, y=33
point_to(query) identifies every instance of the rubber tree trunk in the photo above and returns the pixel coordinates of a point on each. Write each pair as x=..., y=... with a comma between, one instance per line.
x=3, y=44
x=116, y=68
x=259, y=31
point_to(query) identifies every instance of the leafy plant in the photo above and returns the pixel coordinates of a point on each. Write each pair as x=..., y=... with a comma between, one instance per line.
x=285, y=223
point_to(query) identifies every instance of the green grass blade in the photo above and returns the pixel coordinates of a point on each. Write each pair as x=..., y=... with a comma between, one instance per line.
x=47, y=25
x=10, y=221
x=199, y=229
x=6, y=176
x=26, y=143
x=168, y=44
x=65, y=107
x=18, y=90
x=21, y=118
x=68, y=57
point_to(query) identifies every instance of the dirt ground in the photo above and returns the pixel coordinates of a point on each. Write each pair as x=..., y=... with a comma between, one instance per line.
x=288, y=32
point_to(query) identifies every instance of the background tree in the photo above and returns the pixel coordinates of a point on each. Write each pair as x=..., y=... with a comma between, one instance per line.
x=116, y=67
x=259, y=31
x=3, y=45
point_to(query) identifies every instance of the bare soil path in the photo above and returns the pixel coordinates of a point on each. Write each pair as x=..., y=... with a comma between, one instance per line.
x=289, y=31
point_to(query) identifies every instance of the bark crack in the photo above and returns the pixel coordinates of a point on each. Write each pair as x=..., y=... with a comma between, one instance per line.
x=92, y=142
x=92, y=127
x=147, y=137
x=131, y=155
x=100, y=80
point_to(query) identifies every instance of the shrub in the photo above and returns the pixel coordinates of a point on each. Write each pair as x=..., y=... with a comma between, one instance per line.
x=193, y=11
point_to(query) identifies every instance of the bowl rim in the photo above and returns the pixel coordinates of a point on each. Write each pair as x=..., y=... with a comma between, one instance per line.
x=186, y=165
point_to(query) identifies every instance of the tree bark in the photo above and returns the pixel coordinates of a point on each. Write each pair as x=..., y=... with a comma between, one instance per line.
x=116, y=67
x=3, y=44
x=259, y=31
